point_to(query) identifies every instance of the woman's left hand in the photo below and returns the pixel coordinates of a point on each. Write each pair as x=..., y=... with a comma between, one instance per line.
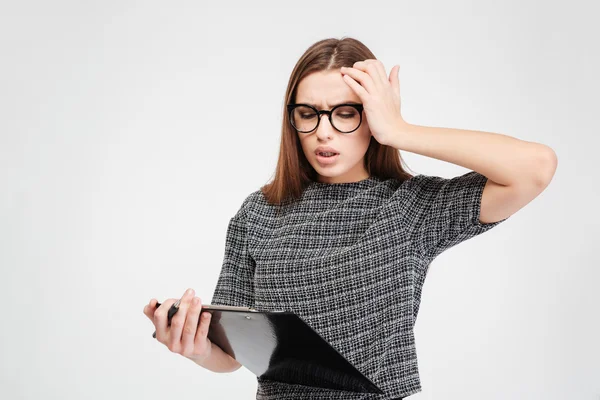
x=380, y=97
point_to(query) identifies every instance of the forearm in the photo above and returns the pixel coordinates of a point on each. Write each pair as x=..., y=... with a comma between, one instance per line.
x=502, y=158
x=218, y=361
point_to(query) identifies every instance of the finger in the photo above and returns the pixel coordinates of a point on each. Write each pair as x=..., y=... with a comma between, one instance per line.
x=191, y=326
x=382, y=71
x=358, y=89
x=178, y=320
x=373, y=68
x=160, y=320
x=377, y=69
x=203, y=328
x=360, y=76
x=395, y=80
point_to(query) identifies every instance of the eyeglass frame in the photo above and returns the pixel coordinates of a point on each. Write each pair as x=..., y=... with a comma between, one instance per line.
x=358, y=107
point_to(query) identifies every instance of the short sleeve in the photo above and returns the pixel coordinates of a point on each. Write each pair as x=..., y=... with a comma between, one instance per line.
x=235, y=284
x=446, y=211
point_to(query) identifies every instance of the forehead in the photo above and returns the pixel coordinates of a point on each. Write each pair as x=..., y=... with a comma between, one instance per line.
x=325, y=88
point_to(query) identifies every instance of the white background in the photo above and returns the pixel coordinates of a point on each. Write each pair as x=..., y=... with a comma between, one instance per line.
x=130, y=132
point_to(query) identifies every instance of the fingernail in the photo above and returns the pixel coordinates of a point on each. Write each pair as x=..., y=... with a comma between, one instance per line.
x=189, y=291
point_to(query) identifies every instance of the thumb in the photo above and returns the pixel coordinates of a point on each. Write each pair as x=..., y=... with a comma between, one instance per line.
x=150, y=308
x=394, y=80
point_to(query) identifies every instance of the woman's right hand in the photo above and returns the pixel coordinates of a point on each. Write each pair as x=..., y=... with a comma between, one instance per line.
x=185, y=336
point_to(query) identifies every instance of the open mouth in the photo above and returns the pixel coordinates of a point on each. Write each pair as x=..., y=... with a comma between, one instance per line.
x=327, y=154
x=327, y=158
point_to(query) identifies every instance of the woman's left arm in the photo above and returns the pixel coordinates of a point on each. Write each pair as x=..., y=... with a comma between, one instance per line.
x=517, y=170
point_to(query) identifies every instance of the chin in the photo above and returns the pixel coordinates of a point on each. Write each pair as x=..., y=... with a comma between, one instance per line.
x=330, y=172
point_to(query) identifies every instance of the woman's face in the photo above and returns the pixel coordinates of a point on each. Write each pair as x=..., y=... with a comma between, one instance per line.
x=324, y=90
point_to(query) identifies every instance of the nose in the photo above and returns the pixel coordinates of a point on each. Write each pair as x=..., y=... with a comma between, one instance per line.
x=324, y=130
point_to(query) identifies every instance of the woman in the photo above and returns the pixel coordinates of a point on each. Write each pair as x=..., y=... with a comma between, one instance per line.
x=343, y=236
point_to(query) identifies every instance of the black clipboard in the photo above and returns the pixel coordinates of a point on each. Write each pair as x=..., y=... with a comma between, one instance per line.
x=281, y=346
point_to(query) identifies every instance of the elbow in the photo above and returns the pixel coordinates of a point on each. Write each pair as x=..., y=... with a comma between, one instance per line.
x=547, y=164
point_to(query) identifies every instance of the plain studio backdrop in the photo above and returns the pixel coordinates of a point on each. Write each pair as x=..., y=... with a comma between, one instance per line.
x=132, y=131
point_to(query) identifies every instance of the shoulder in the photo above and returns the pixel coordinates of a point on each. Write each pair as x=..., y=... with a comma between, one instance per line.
x=398, y=188
x=426, y=194
x=432, y=185
x=252, y=203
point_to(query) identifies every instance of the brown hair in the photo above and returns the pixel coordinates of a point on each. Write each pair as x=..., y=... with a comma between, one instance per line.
x=293, y=170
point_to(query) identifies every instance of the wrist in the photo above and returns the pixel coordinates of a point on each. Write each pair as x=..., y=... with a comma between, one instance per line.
x=399, y=135
x=201, y=359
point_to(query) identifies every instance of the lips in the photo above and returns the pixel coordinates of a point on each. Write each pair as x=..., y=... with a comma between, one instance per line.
x=327, y=160
x=325, y=149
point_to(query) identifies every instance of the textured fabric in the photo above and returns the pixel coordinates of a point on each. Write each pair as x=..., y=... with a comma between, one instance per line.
x=350, y=259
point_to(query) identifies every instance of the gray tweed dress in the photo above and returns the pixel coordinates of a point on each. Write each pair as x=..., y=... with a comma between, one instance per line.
x=344, y=248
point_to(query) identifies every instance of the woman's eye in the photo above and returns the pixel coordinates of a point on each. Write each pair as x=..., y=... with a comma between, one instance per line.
x=307, y=116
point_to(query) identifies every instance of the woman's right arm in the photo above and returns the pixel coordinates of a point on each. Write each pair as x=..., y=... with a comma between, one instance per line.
x=188, y=333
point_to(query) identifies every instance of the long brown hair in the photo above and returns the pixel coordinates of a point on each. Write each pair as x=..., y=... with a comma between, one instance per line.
x=293, y=170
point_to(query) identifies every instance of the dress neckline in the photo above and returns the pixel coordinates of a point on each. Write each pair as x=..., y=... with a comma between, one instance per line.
x=362, y=182
x=342, y=190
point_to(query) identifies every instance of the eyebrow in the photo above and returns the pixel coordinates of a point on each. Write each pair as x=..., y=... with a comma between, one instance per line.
x=333, y=105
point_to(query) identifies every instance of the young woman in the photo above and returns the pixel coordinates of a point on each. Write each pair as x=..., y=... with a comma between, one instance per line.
x=343, y=236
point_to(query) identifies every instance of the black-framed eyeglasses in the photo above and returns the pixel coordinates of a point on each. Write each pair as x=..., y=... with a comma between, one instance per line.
x=345, y=117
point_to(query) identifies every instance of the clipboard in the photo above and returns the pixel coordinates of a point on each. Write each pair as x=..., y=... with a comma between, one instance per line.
x=281, y=346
